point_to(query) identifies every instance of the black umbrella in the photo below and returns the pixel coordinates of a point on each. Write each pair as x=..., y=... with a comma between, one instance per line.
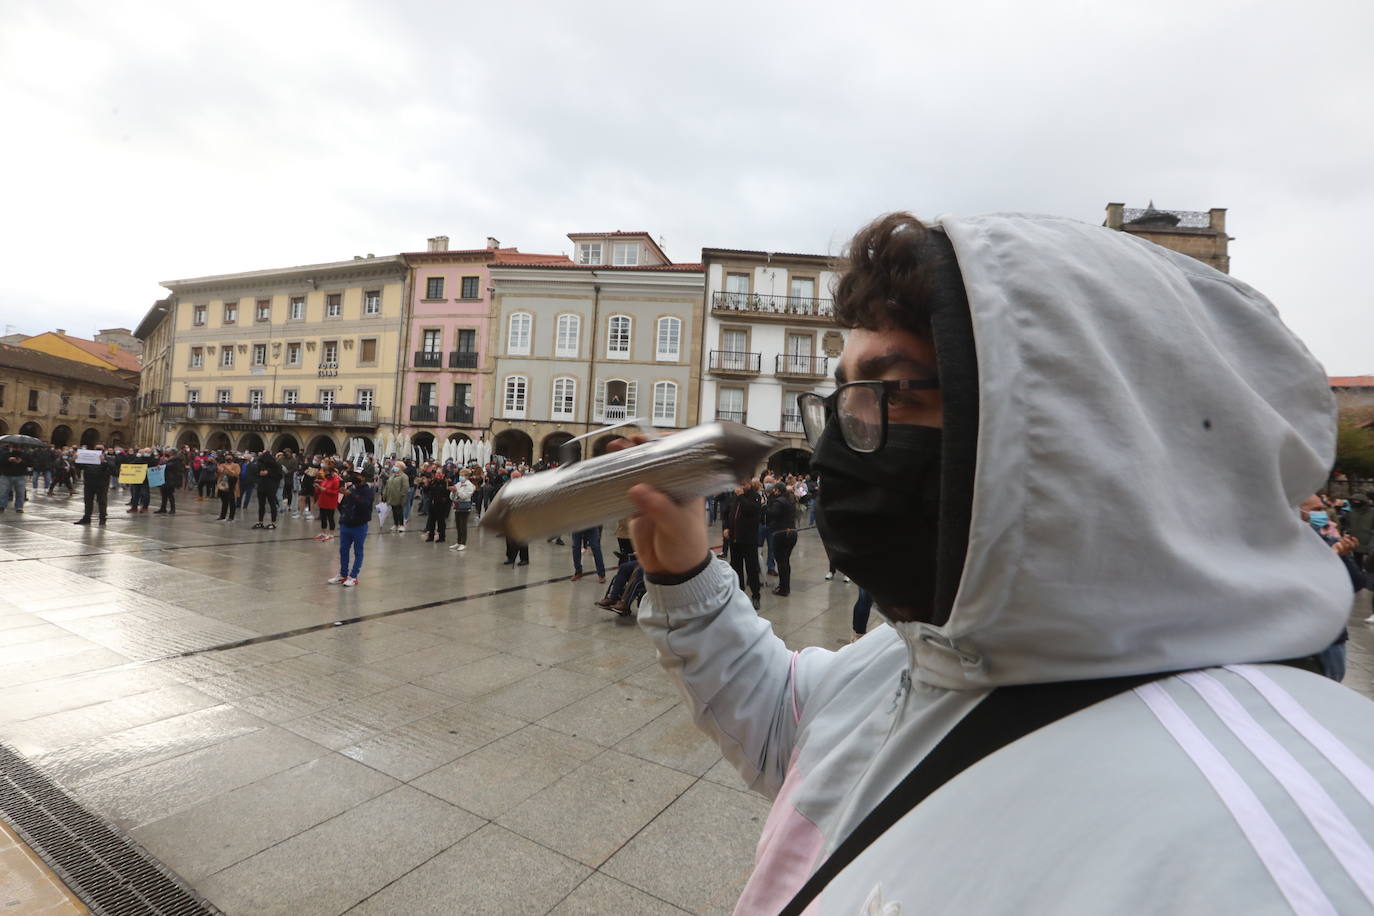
x=15, y=439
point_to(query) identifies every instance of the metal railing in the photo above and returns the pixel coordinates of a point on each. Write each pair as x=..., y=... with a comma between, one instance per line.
x=735, y=361
x=427, y=360
x=273, y=414
x=796, y=364
x=424, y=413
x=734, y=416
x=767, y=304
x=612, y=412
x=462, y=359
x=457, y=414
x=792, y=423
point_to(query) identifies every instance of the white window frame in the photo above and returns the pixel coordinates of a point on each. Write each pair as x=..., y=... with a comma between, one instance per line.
x=198, y=313
x=567, y=397
x=372, y=302
x=625, y=254
x=574, y=324
x=721, y=399
x=226, y=356
x=333, y=309
x=224, y=395
x=260, y=350
x=367, y=397
x=293, y=354
x=262, y=311
x=673, y=355
x=589, y=253
x=290, y=395
x=197, y=357
x=662, y=417
x=518, y=340
x=515, y=396
x=192, y=395
x=326, y=348
x=296, y=308
x=328, y=397
x=612, y=337
x=231, y=312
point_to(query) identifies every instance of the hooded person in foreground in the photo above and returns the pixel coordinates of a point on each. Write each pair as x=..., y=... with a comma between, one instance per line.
x=1059, y=454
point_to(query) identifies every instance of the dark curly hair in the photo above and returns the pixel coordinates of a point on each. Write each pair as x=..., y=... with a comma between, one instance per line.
x=887, y=276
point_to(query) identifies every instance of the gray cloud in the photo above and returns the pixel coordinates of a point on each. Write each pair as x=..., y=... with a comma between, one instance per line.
x=170, y=140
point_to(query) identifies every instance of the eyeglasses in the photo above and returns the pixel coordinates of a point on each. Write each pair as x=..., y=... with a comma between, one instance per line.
x=861, y=408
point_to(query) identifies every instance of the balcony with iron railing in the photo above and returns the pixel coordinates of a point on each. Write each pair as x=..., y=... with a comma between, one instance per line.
x=792, y=423
x=614, y=413
x=271, y=414
x=462, y=359
x=735, y=362
x=793, y=365
x=458, y=414
x=427, y=360
x=784, y=308
x=734, y=416
x=424, y=413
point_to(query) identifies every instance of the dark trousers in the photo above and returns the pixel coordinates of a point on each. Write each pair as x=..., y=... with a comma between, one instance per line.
x=592, y=538
x=744, y=560
x=436, y=521
x=267, y=498
x=515, y=549
x=460, y=525
x=169, y=498
x=327, y=519
x=228, y=506
x=98, y=495
x=862, y=606
x=247, y=486
x=205, y=488
x=140, y=494
x=783, y=542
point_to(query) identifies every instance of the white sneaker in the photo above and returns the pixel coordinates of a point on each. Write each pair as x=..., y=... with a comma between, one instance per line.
x=829, y=576
x=335, y=580
x=295, y=515
x=462, y=546
x=349, y=582
x=308, y=515
x=847, y=579
x=1369, y=619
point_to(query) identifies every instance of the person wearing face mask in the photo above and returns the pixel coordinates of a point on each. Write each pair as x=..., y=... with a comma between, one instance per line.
x=781, y=517
x=1068, y=703
x=742, y=533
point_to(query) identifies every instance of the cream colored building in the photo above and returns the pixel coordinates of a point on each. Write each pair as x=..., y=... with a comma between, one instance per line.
x=299, y=357
x=155, y=333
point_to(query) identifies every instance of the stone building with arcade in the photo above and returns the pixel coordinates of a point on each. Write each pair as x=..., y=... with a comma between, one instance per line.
x=63, y=401
x=304, y=357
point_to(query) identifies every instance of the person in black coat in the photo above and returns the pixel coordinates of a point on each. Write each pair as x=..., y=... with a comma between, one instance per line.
x=174, y=477
x=781, y=516
x=95, y=485
x=435, y=489
x=266, y=476
x=742, y=534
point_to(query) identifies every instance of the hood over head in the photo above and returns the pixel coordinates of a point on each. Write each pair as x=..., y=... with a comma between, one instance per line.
x=1145, y=429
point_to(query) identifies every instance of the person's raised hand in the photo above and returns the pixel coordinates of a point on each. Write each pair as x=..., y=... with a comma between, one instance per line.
x=669, y=537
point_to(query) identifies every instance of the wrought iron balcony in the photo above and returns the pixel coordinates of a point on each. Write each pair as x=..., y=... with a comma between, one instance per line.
x=246, y=416
x=786, y=307
x=797, y=366
x=424, y=413
x=734, y=416
x=426, y=360
x=792, y=423
x=462, y=359
x=735, y=362
x=458, y=414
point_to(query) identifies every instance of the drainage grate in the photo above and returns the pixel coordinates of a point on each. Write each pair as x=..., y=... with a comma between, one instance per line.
x=111, y=874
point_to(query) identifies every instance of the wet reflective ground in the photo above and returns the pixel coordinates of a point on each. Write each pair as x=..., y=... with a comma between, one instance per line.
x=487, y=753
x=484, y=753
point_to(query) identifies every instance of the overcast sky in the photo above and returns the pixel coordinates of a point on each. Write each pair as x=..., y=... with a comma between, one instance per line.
x=150, y=141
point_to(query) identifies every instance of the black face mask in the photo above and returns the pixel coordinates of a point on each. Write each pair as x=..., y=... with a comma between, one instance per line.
x=879, y=515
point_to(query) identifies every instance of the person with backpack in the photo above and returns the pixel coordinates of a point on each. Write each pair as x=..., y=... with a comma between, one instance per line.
x=355, y=511
x=227, y=475
x=1071, y=710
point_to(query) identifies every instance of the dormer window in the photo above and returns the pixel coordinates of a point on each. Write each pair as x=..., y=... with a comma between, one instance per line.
x=589, y=253
x=625, y=254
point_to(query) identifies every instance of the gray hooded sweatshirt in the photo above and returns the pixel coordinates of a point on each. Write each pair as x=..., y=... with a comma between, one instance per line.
x=1146, y=428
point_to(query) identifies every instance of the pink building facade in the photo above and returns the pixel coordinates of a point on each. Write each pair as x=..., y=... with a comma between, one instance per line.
x=445, y=385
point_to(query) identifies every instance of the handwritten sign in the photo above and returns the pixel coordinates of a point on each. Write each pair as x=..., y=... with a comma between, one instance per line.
x=89, y=456
x=157, y=476
x=133, y=473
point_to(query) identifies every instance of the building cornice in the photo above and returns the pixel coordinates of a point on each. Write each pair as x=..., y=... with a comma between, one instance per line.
x=308, y=276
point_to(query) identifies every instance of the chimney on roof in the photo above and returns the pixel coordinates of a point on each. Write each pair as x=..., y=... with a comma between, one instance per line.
x=61, y=332
x=1216, y=219
x=493, y=243
x=439, y=243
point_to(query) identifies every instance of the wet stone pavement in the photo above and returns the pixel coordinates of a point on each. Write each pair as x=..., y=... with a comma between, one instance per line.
x=476, y=752
x=516, y=752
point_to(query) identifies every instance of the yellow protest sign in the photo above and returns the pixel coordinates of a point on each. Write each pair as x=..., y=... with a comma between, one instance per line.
x=133, y=473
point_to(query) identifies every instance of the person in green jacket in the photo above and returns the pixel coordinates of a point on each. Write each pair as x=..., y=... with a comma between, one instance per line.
x=397, y=485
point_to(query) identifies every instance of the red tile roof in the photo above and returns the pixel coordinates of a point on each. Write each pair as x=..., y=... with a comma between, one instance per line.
x=1351, y=381
x=19, y=358
x=120, y=359
x=674, y=268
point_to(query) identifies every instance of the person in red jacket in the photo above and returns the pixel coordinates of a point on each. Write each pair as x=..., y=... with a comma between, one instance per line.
x=327, y=498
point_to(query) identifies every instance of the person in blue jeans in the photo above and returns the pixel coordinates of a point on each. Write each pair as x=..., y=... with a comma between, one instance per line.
x=355, y=511
x=588, y=537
